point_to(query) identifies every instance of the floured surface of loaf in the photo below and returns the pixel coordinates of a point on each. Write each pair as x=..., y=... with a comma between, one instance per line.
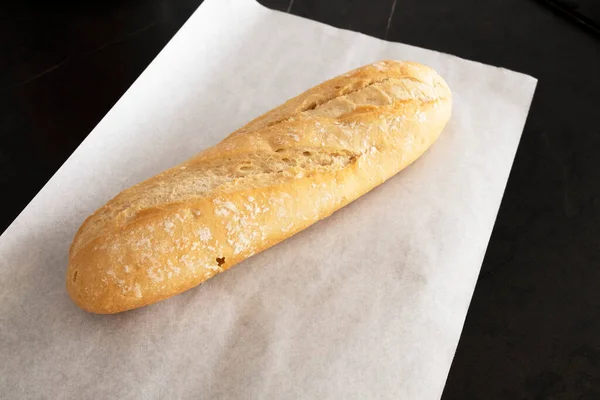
x=265, y=182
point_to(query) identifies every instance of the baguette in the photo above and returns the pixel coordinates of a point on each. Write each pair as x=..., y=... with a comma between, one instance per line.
x=272, y=178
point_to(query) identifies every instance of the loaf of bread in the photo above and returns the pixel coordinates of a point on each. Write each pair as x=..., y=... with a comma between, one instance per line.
x=279, y=174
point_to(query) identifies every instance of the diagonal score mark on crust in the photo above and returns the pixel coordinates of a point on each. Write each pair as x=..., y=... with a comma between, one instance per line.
x=246, y=170
x=242, y=171
x=283, y=113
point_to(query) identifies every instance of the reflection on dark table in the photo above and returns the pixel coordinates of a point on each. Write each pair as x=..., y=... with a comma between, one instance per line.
x=532, y=329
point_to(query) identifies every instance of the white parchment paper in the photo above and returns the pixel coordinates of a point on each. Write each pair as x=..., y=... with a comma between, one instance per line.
x=366, y=304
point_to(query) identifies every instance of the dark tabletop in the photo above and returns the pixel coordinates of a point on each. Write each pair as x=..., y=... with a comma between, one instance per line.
x=533, y=328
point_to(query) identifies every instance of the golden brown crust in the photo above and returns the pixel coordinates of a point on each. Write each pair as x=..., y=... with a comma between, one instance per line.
x=275, y=176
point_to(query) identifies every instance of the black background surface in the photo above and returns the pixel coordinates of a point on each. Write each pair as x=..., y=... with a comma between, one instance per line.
x=533, y=328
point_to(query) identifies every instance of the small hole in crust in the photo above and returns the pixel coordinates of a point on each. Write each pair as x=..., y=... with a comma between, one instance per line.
x=220, y=261
x=279, y=150
x=245, y=168
x=306, y=153
x=75, y=276
x=311, y=106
